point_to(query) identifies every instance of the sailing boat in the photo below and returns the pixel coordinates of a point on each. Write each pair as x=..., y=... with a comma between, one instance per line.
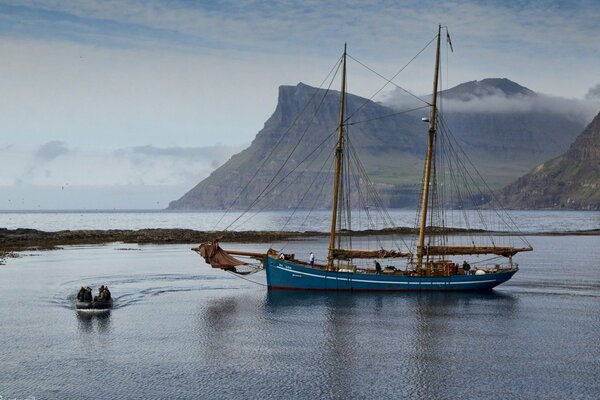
x=428, y=268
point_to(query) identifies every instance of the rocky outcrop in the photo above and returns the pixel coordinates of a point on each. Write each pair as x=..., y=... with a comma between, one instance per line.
x=570, y=181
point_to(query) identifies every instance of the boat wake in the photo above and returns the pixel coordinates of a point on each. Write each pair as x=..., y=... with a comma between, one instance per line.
x=556, y=289
x=130, y=290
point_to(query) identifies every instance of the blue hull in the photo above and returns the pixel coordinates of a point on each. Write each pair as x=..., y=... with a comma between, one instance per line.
x=287, y=275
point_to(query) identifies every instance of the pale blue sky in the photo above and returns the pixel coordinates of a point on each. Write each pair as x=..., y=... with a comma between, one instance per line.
x=100, y=79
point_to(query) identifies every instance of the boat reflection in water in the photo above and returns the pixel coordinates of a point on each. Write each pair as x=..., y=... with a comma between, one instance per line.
x=411, y=342
x=88, y=320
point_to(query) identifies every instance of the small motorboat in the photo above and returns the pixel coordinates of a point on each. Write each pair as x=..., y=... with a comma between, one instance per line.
x=85, y=301
x=94, y=305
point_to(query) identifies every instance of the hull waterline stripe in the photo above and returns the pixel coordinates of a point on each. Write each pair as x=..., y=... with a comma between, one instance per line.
x=383, y=282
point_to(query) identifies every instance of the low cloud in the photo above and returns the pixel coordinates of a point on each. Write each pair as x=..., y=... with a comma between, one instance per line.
x=51, y=150
x=191, y=153
x=143, y=169
x=594, y=93
x=183, y=161
x=575, y=109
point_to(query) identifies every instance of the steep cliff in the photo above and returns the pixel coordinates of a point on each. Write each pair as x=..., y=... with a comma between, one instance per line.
x=391, y=148
x=570, y=181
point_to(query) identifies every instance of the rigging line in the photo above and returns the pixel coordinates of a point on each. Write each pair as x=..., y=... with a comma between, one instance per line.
x=319, y=196
x=455, y=183
x=285, y=188
x=319, y=147
x=372, y=191
x=489, y=259
x=388, y=81
x=361, y=196
x=266, y=188
x=289, y=156
x=502, y=216
x=320, y=171
x=265, y=193
x=246, y=279
x=387, y=115
x=335, y=67
x=464, y=173
x=492, y=193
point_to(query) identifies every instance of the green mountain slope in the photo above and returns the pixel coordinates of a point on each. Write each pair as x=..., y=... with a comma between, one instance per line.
x=391, y=149
x=571, y=181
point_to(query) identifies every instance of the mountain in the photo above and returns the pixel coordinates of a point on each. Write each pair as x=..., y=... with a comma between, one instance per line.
x=571, y=181
x=388, y=148
x=486, y=87
x=391, y=145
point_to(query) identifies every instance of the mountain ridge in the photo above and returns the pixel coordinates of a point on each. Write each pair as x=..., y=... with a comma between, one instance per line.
x=392, y=148
x=569, y=181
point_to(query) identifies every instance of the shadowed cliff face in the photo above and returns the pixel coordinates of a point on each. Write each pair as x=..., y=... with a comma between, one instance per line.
x=571, y=181
x=503, y=146
x=389, y=148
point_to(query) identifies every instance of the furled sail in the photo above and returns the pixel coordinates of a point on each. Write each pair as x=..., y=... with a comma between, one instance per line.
x=217, y=257
x=467, y=250
x=343, y=254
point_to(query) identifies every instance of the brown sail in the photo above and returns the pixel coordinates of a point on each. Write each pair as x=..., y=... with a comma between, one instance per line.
x=217, y=257
x=468, y=250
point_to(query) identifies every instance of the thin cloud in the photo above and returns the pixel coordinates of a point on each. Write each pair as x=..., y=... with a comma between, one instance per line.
x=51, y=150
x=256, y=23
x=594, y=93
x=193, y=153
x=143, y=165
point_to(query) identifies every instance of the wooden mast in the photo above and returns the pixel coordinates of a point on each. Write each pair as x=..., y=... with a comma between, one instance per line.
x=430, y=144
x=338, y=165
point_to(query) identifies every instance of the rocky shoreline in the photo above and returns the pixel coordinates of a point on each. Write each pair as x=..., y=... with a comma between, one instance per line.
x=15, y=240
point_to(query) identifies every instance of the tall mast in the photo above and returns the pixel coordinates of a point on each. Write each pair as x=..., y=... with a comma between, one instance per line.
x=430, y=143
x=338, y=164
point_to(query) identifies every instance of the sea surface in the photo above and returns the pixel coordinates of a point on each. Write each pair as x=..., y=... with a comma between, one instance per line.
x=526, y=221
x=180, y=329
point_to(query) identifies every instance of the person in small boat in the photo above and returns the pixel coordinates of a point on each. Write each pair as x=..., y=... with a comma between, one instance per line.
x=377, y=267
x=106, y=294
x=311, y=258
x=87, y=296
x=466, y=268
x=100, y=296
x=81, y=294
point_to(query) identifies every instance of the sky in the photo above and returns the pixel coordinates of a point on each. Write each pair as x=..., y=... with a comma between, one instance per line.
x=129, y=104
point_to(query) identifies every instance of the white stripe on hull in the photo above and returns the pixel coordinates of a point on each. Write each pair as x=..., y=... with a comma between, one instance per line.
x=291, y=271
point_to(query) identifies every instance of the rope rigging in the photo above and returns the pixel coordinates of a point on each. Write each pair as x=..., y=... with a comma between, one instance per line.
x=290, y=154
x=450, y=189
x=335, y=68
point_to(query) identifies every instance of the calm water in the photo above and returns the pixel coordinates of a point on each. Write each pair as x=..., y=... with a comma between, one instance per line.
x=527, y=221
x=182, y=330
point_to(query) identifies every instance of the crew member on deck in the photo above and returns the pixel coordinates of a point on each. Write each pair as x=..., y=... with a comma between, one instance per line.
x=377, y=267
x=311, y=259
x=466, y=268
